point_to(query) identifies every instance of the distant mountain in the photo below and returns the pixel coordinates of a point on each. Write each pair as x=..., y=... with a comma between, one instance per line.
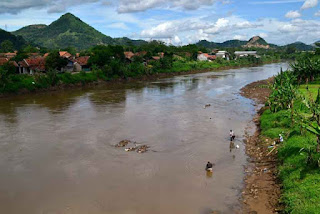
x=67, y=31
x=17, y=41
x=300, y=46
x=227, y=44
x=257, y=42
x=254, y=42
x=233, y=43
x=127, y=41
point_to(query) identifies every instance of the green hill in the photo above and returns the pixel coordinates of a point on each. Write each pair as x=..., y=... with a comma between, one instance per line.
x=233, y=43
x=300, y=46
x=255, y=42
x=227, y=44
x=17, y=41
x=67, y=31
x=127, y=41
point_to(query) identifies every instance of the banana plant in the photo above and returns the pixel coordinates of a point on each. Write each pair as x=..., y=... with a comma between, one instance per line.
x=313, y=124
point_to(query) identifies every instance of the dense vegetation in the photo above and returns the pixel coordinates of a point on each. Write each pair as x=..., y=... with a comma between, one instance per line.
x=10, y=42
x=109, y=63
x=295, y=113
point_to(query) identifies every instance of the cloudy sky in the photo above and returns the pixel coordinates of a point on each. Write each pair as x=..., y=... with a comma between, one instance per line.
x=177, y=21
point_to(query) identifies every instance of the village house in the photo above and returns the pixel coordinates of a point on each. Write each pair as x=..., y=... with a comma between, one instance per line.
x=206, y=57
x=70, y=67
x=32, y=65
x=3, y=60
x=65, y=54
x=8, y=55
x=81, y=63
x=240, y=54
x=223, y=54
x=129, y=54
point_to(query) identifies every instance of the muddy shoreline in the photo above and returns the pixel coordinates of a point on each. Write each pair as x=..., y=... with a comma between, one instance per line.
x=122, y=81
x=262, y=188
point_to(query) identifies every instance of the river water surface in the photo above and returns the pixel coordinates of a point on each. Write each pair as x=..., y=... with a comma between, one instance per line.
x=57, y=151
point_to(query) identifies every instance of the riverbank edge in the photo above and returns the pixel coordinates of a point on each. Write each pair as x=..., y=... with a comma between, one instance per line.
x=155, y=76
x=261, y=192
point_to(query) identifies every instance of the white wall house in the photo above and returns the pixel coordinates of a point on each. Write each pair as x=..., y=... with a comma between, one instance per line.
x=223, y=55
x=202, y=57
x=240, y=54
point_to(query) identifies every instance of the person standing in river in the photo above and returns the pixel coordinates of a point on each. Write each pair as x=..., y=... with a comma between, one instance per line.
x=232, y=136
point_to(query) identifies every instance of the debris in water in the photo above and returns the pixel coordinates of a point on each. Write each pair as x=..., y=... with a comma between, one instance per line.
x=207, y=105
x=142, y=149
x=130, y=149
x=123, y=143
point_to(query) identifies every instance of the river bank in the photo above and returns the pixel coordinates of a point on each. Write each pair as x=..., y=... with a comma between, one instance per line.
x=262, y=189
x=93, y=79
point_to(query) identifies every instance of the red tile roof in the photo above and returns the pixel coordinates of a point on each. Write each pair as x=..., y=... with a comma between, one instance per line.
x=34, y=63
x=211, y=57
x=3, y=60
x=141, y=53
x=10, y=55
x=128, y=54
x=82, y=60
x=64, y=54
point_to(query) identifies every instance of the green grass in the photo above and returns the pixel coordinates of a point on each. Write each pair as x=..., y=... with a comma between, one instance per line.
x=312, y=90
x=301, y=181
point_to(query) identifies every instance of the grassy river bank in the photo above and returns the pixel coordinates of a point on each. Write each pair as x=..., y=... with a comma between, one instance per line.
x=284, y=179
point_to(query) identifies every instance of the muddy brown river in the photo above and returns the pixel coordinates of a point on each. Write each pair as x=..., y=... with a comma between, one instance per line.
x=57, y=153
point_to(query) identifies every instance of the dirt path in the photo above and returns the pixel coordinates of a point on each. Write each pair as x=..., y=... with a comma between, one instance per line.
x=262, y=190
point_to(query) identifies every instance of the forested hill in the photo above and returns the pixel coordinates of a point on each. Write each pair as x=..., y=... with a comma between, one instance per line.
x=15, y=41
x=68, y=31
x=254, y=42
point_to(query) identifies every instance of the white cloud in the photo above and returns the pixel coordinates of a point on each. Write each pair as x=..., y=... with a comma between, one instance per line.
x=292, y=14
x=317, y=13
x=118, y=25
x=240, y=37
x=277, y=2
x=263, y=35
x=53, y=6
x=127, y=6
x=198, y=28
x=288, y=28
x=309, y=4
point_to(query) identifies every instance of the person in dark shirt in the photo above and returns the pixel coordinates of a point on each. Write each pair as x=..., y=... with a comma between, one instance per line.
x=232, y=135
x=209, y=166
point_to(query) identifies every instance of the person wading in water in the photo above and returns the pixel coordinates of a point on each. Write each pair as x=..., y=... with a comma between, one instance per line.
x=209, y=166
x=232, y=136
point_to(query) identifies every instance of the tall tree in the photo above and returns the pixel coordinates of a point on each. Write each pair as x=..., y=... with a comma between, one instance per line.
x=7, y=46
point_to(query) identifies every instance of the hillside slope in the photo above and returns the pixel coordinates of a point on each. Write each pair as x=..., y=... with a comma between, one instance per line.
x=67, y=31
x=17, y=41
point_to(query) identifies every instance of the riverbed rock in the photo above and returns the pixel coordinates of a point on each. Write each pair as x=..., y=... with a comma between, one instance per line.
x=123, y=143
x=142, y=149
x=130, y=149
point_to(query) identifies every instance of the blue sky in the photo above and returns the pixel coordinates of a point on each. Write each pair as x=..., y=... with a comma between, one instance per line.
x=177, y=21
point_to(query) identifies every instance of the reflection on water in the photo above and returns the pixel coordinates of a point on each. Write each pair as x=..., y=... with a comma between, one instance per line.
x=57, y=151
